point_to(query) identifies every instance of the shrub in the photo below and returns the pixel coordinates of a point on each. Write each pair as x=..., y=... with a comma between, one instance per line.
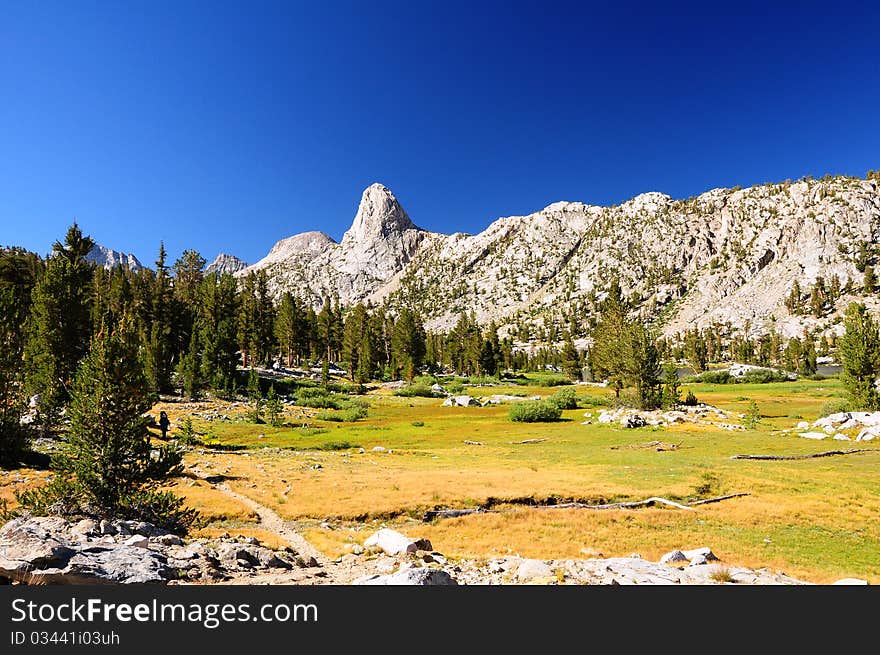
x=534, y=411
x=836, y=406
x=417, y=424
x=349, y=415
x=336, y=445
x=454, y=387
x=691, y=400
x=564, y=399
x=416, y=390
x=594, y=401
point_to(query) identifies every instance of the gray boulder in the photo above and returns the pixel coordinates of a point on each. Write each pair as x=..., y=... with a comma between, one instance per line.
x=673, y=557
x=421, y=577
x=394, y=543
x=533, y=569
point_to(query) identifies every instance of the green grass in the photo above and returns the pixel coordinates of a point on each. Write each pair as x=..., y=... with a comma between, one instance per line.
x=818, y=519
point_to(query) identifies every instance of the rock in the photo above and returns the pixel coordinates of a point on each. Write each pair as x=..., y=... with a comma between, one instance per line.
x=533, y=569
x=107, y=527
x=705, y=551
x=851, y=581
x=394, y=543
x=138, y=541
x=803, y=425
x=633, y=421
x=379, y=449
x=841, y=437
x=421, y=577
x=86, y=528
x=357, y=549
x=673, y=557
x=436, y=388
x=460, y=401
x=868, y=434
x=813, y=435
x=830, y=430
x=699, y=560
x=169, y=540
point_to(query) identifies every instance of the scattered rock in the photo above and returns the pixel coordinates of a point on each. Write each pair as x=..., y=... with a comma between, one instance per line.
x=460, y=401
x=673, y=557
x=813, y=435
x=533, y=569
x=138, y=541
x=394, y=543
x=415, y=576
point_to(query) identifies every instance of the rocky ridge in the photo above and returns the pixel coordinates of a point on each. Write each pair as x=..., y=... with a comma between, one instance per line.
x=110, y=259
x=224, y=263
x=725, y=256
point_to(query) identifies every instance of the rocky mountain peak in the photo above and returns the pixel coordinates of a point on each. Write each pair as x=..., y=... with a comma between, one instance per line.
x=224, y=263
x=379, y=215
x=109, y=258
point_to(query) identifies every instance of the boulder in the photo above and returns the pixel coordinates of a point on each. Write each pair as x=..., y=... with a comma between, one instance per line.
x=696, y=553
x=803, y=425
x=533, y=569
x=394, y=543
x=813, y=435
x=868, y=433
x=460, y=401
x=138, y=541
x=436, y=388
x=673, y=557
x=633, y=421
x=422, y=577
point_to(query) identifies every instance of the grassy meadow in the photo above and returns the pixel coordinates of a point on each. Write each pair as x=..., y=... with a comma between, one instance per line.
x=817, y=519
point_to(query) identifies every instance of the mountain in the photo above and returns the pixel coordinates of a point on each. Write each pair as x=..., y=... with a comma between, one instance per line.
x=379, y=243
x=224, y=263
x=727, y=256
x=111, y=258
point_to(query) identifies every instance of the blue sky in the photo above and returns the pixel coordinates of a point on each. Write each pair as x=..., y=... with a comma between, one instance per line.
x=227, y=126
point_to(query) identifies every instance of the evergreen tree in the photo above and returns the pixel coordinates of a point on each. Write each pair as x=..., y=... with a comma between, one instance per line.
x=671, y=385
x=356, y=326
x=407, y=344
x=571, y=359
x=159, y=346
x=19, y=270
x=696, y=351
x=870, y=281
x=288, y=328
x=274, y=408
x=216, y=327
x=859, y=351
x=60, y=324
x=107, y=468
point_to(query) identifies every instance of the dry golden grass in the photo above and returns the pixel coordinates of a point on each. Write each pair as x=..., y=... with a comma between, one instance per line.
x=212, y=504
x=11, y=482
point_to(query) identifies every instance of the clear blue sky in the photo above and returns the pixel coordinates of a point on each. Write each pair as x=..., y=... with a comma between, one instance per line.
x=227, y=126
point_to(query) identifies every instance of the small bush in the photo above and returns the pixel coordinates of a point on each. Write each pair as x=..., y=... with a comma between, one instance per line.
x=762, y=377
x=836, y=406
x=349, y=415
x=416, y=390
x=417, y=424
x=336, y=445
x=594, y=401
x=534, y=411
x=721, y=574
x=454, y=387
x=564, y=399
x=691, y=400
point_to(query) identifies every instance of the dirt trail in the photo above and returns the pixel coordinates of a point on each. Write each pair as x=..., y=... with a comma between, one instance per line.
x=270, y=521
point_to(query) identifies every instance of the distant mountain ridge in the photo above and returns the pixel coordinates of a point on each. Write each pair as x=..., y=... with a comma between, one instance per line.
x=224, y=263
x=110, y=259
x=725, y=256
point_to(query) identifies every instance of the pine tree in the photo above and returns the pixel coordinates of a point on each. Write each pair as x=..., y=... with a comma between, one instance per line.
x=859, y=351
x=671, y=385
x=60, y=324
x=216, y=326
x=870, y=281
x=571, y=359
x=356, y=326
x=288, y=328
x=274, y=408
x=107, y=468
x=696, y=351
x=407, y=345
x=18, y=274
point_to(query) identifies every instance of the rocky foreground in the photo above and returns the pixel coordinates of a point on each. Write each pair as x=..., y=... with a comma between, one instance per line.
x=51, y=550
